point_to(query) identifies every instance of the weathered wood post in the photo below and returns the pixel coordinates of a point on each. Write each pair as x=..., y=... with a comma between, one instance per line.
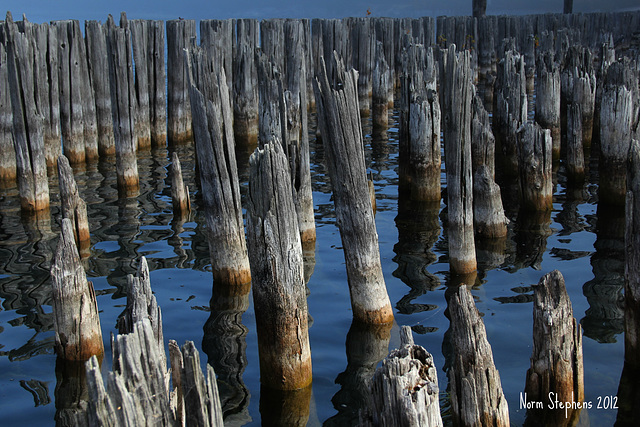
x=179, y=35
x=77, y=102
x=476, y=390
x=579, y=87
x=8, y=159
x=575, y=145
x=341, y=129
x=457, y=92
x=275, y=253
x=616, y=119
x=489, y=220
x=535, y=166
x=179, y=192
x=73, y=207
x=404, y=390
x=123, y=108
x=556, y=371
x=96, y=41
x=28, y=123
x=139, y=31
x=245, y=90
x=75, y=309
x=382, y=93
x=157, y=83
x=215, y=147
x=548, y=98
x=510, y=110
x=419, y=151
x=216, y=38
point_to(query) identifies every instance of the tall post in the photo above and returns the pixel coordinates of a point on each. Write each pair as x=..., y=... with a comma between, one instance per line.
x=180, y=32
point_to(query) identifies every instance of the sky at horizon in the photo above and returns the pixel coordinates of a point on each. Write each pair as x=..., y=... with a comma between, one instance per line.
x=47, y=10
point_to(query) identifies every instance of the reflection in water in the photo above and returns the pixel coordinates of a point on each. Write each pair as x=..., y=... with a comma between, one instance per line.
x=71, y=390
x=225, y=344
x=285, y=407
x=532, y=231
x=604, y=319
x=366, y=346
x=418, y=230
x=627, y=398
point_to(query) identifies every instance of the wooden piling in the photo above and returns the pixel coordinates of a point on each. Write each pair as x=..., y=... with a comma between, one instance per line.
x=139, y=30
x=535, y=166
x=476, y=390
x=340, y=126
x=215, y=148
x=179, y=192
x=8, y=159
x=616, y=133
x=456, y=94
x=123, y=109
x=404, y=390
x=275, y=253
x=28, y=123
x=73, y=207
x=382, y=93
x=489, y=219
x=216, y=38
x=419, y=151
x=75, y=309
x=157, y=83
x=245, y=90
x=575, y=145
x=510, y=111
x=556, y=361
x=632, y=261
x=579, y=83
x=548, y=98
x=96, y=41
x=180, y=32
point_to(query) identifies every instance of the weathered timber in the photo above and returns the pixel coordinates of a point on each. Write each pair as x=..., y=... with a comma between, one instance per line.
x=579, y=86
x=75, y=309
x=404, y=390
x=382, y=92
x=215, y=147
x=548, y=98
x=618, y=117
x=419, y=151
x=575, y=144
x=362, y=53
x=180, y=32
x=77, y=103
x=275, y=253
x=73, y=207
x=486, y=46
x=157, y=83
x=535, y=166
x=479, y=8
x=476, y=390
x=510, y=111
x=216, y=38
x=341, y=129
x=123, y=108
x=556, y=361
x=245, y=90
x=139, y=30
x=295, y=128
x=384, y=34
x=28, y=123
x=96, y=41
x=271, y=42
x=179, y=192
x=632, y=262
x=489, y=219
x=456, y=93
x=8, y=159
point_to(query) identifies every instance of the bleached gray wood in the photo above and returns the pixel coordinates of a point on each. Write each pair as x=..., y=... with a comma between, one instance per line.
x=216, y=38
x=75, y=309
x=215, y=147
x=180, y=32
x=245, y=76
x=404, y=390
x=73, y=207
x=535, y=167
x=98, y=59
x=579, y=86
x=123, y=108
x=179, y=192
x=8, y=159
x=556, y=360
x=618, y=117
x=341, y=129
x=28, y=123
x=457, y=92
x=489, y=219
x=139, y=46
x=575, y=144
x=548, y=98
x=157, y=83
x=275, y=253
x=382, y=92
x=476, y=390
